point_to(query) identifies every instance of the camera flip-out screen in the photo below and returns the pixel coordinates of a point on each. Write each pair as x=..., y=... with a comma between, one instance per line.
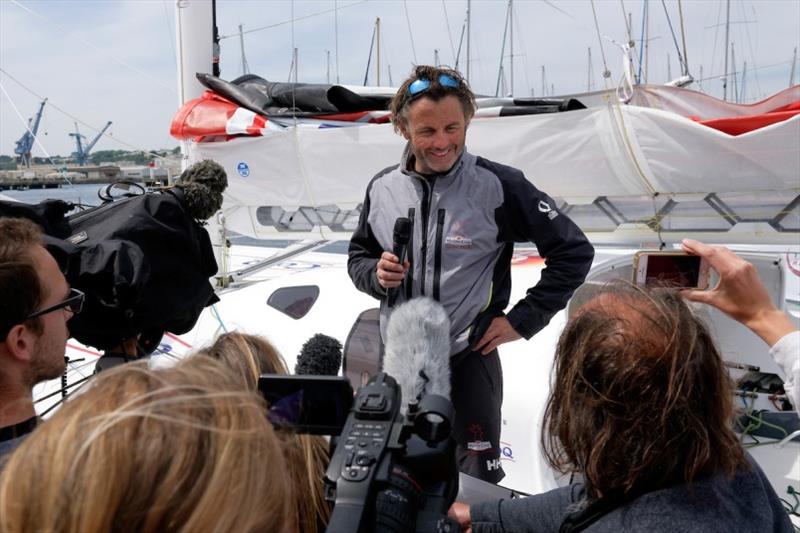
x=318, y=405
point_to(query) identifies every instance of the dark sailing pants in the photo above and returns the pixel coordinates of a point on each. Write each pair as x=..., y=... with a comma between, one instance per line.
x=477, y=395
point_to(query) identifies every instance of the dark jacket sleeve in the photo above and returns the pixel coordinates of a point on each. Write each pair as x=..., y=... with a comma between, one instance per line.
x=363, y=255
x=541, y=513
x=529, y=215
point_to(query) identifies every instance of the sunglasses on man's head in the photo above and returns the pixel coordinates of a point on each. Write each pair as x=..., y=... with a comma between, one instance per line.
x=421, y=85
x=73, y=301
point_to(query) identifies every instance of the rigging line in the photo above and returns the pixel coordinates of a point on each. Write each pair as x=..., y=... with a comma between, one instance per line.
x=625, y=18
x=449, y=33
x=78, y=120
x=521, y=34
x=335, y=9
x=750, y=46
x=369, y=58
x=410, y=33
x=763, y=67
x=642, y=43
x=675, y=40
x=169, y=28
x=387, y=55
x=99, y=49
x=716, y=34
x=578, y=22
x=606, y=72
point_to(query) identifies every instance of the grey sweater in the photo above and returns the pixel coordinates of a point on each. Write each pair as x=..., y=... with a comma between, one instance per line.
x=745, y=503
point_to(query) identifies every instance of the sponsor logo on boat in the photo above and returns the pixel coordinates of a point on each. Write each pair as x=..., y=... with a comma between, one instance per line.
x=243, y=169
x=493, y=464
x=506, y=452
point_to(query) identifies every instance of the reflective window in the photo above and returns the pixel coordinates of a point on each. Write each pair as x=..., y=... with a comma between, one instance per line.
x=363, y=349
x=294, y=301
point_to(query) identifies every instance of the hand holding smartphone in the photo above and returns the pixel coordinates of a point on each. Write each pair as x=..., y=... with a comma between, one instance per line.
x=675, y=269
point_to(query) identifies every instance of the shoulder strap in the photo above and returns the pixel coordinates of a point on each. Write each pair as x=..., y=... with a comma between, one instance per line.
x=583, y=518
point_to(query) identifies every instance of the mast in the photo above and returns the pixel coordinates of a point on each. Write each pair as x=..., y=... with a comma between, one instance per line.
x=245, y=70
x=742, y=86
x=646, y=40
x=469, y=10
x=502, y=52
x=544, y=82
x=733, y=65
x=436, y=57
x=327, y=66
x=194, y=48
x=511, y=45
x=336, y=35
x=794, y=63
x=727, y=34
x=378, y=48
x=589, y=81
x=669, y=69
x=215, y=70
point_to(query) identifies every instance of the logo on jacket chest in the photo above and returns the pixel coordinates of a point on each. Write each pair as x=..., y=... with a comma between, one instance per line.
x=456, y=237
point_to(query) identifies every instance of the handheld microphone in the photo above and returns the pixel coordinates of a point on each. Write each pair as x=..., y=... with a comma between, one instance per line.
x=320, y=355
x=418, y=349
x=400, y=238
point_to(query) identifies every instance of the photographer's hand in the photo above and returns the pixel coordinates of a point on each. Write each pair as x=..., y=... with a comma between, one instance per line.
x=460, y=513
x=740, y=293
x=499, y=332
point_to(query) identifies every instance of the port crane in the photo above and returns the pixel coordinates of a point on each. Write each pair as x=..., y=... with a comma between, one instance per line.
x=25, y=143
x=81, y=155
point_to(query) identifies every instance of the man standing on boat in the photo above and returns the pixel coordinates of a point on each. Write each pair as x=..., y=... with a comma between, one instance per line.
x=37, y=303
x=466, y=213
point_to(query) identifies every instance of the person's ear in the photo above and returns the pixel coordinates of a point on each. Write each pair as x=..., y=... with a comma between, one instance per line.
x=403, y=127
x=20, y=343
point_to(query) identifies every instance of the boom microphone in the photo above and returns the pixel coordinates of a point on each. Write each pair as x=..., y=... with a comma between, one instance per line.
x=418, y=349
x=400, y=238
x=320, y=355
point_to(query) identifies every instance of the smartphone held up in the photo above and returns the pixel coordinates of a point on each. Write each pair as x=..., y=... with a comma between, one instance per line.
x=674, y=269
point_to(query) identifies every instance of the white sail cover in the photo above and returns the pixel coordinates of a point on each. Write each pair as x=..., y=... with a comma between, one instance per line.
x=623, y=173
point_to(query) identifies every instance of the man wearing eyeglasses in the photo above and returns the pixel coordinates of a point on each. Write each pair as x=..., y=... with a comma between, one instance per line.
x=466, y=213
x=37, y=302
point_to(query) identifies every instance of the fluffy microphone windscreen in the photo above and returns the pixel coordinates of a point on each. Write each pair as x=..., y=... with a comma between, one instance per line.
x=203, y=184
x=418, y=339
x=321, y=355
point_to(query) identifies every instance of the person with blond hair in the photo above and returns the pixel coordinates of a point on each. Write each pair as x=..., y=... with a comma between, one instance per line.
x=642, y=412
x=307, y=456
x=174, y=450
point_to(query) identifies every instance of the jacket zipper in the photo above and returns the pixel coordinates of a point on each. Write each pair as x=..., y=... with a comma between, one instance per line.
x=437, y=258
x=409, y=281
x=426, y=211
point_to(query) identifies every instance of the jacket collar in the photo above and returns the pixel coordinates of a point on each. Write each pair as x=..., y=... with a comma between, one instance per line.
x=460, y=165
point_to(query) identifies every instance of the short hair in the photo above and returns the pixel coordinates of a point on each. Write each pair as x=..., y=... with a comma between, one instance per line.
x=641, y=398
x=20, y=288
x=179, y=449
x=437, y=91
x=307, y=456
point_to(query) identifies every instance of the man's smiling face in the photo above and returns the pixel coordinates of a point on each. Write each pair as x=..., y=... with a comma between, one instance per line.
x=437, y=131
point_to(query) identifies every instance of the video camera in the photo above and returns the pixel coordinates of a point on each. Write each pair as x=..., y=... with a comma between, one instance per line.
x=389, y=472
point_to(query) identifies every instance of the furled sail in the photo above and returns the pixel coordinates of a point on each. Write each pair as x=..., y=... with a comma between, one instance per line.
x=655, y=170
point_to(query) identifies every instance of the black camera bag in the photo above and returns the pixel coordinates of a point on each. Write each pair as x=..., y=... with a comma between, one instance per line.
x=143, y=262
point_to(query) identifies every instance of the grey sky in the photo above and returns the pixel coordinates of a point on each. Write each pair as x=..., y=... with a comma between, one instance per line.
x=114, y=60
